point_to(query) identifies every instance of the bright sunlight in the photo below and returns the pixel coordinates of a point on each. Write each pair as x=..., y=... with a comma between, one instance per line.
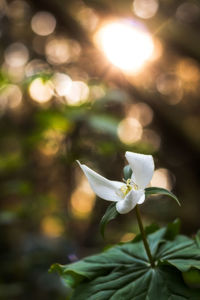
x=126, y=45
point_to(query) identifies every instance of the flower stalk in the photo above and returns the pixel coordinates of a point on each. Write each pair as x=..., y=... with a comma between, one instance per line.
x=144, y=238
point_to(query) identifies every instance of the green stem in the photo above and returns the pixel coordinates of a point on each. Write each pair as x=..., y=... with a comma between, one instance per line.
x=146, y=245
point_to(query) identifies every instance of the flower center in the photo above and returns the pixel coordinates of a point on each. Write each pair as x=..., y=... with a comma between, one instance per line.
x=125, y=189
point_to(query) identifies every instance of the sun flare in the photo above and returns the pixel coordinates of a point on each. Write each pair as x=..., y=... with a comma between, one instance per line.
x=126, y=46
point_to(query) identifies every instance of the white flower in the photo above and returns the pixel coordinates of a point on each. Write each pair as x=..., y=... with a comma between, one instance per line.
x=128, y=194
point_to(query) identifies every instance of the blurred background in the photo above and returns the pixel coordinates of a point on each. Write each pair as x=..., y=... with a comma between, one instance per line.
x=90, y=80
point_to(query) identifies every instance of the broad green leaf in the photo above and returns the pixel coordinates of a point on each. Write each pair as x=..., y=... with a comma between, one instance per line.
x=181, y=253
x=161, y=191
x=110, y=214
x=124, y=273
x=127, y=172
x=72, y=278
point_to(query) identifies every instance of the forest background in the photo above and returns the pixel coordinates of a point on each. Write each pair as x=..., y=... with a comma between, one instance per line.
x=63, y=97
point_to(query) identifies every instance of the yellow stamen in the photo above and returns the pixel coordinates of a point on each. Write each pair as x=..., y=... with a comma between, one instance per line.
x=125, y=189
x=135, y=186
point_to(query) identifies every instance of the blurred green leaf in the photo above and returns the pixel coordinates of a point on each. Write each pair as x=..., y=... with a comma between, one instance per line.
x=54, y=120
x=44, y=76
x=106, y=147
x=104, y=123
x=112, y=96
x=7, y=217
x=11, y=161
x=192, y=278
x=21, y=187
x=173, y=229
x=4, y=81
x=148, y=230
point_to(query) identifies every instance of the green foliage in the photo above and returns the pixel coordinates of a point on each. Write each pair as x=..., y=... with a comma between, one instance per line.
x=124, y=272
x=44, y=76
x=192, y=278
x=148, y=230
x=10, y=162
x=4, y=80
x=198, y=238
x=161, y=191
x=173, y=229
x=104, y=123
x=52, y=119
x=110, y=214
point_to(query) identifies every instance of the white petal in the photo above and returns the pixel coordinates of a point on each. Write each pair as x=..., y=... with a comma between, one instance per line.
x=104, y=188
x=142, y=166
x=130, y=201
x=142, y=198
